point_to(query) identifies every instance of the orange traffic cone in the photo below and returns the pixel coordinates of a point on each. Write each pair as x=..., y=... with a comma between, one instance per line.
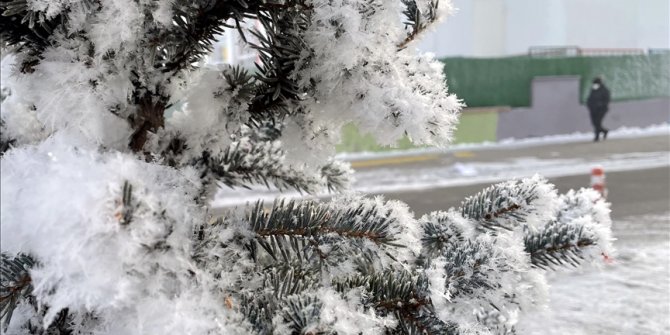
x=598, y=180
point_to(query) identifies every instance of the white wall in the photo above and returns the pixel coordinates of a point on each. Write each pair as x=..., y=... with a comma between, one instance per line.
x=454, y=36
x=654, y=25
x=534, y=23
x=506, y=27
x=490, y=37
x=619, y=23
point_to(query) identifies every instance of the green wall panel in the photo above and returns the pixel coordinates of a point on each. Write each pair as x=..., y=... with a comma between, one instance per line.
x=507, y=81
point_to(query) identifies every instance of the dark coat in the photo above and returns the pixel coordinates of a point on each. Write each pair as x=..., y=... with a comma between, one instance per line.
x=598, y=100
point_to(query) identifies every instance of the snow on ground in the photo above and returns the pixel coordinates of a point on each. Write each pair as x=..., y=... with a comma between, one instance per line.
x=394, y=179
x=620, y=133
x=458, y=174
x=427, y=176
x=630, y=296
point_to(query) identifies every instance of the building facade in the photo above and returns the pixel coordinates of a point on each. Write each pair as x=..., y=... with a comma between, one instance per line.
x=493, y=28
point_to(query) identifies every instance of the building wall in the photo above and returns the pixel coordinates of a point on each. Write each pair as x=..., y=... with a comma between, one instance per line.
x=484, y=28
x=534, y=23
x=619, y=23
x=454, y=36
x=493, y=12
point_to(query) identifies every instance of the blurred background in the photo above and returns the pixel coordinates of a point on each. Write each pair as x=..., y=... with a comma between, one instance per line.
x=524, y=68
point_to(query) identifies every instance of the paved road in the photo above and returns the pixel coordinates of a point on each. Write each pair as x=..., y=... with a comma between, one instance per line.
x=584, y=149
x=632, y=193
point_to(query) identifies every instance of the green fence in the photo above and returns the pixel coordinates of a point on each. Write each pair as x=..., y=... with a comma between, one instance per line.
x=507, y=81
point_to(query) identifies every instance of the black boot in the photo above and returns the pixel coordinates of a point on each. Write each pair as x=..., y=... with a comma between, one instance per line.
x=605, y=133
x=597, y=138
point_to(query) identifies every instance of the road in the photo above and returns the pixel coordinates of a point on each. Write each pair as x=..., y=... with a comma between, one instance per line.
x=637, y=171
x=631, y=192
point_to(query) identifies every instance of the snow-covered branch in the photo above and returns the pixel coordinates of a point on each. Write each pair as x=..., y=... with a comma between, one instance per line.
x=581, y=232
x=247, y=162
x=509, y=204
x=114, y=137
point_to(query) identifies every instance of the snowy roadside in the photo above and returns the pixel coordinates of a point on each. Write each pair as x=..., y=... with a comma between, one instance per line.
x=620, y=133
x=630, y=296
x=459, y=174
x=385, y=180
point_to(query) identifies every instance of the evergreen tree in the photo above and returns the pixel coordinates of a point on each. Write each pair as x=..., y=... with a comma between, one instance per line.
x=106, y=226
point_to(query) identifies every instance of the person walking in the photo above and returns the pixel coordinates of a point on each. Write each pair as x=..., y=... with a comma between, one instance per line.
x=598, y=105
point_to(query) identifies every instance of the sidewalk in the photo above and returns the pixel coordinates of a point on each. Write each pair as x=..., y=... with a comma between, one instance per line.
x=566, y=146
x=457, y=168
x=512, y=143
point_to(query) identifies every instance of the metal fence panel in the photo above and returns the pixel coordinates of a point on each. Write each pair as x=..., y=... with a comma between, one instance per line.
x=482, y=82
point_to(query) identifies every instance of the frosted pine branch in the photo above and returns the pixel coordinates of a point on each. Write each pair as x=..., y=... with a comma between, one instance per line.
x=418, y=19
x=585, y=202
x=442, y=229
x=558, y=244
x=107, y=188
x=309, y=219
x=246, y=162
x=316, y=235
x=337, y=175
x=580, y=233
x=20, y=25
x=280, y=46
x=15, y=284
x=507, y=205
x=5, y=141
x=301, y=315
x=402, y=295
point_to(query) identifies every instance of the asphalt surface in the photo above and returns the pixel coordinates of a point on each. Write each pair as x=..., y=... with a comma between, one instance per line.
x=630, y=192
x=582, y=149
x=636, y=192
x=634, y=189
